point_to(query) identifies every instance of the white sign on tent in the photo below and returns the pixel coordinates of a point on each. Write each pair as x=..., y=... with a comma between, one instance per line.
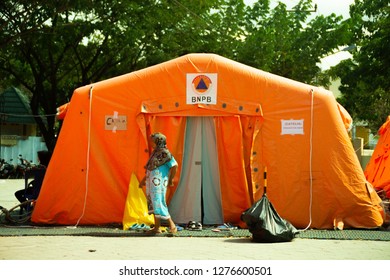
x=202, y=88
x=292, y=127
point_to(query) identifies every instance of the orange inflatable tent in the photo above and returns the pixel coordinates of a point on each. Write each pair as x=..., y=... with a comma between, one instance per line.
x=225, y=122
x=376, y=172
x=61, y=111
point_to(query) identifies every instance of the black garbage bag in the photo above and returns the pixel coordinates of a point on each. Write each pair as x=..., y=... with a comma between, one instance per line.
x=265, y=224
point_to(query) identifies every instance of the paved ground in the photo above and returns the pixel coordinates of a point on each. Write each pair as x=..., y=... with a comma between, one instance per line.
x=177, y=248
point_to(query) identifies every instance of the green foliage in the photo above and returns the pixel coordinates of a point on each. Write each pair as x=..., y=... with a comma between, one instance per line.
x=52, y=47
x=365, y=79
x=287, y=43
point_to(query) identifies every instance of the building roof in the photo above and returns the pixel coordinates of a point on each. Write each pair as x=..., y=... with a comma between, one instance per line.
x=14, y=107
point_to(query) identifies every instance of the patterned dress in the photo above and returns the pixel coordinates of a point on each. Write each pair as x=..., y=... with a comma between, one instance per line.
x=156, y=188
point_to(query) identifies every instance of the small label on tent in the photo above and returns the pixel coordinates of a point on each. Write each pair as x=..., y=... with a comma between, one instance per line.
x=202, y=88
x=116, y=122
x=292, y=127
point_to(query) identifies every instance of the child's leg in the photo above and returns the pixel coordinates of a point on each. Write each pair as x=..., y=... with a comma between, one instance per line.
x=157, y=224
x=172, y=226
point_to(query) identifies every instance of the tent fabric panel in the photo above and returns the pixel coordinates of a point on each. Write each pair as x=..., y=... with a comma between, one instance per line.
x=198, y=194
x=52, y=204
x=250, y=129
x=286, y=156
x=110, y=156
x=186, y=202
x=234, y=187
x=211, y=187
x=346, y=117
x=376, y=172
x=369, y=212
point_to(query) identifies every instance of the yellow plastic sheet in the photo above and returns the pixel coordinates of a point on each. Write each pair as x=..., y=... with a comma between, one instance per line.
x=136, y=209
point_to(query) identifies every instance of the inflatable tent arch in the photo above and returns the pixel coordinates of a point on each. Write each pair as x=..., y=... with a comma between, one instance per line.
x=255, y=119
x=376, y=172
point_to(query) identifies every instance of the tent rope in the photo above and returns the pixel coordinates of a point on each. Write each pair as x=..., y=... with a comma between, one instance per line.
x=311, y=158
x=88, y=153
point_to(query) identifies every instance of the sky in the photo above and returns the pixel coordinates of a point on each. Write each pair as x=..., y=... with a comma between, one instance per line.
x=324, y=7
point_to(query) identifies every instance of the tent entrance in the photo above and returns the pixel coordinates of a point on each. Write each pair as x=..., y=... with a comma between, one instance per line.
x=198, y=195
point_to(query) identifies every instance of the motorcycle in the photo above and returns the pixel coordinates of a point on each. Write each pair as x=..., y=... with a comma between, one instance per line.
x=21, y=167
x=7, y=170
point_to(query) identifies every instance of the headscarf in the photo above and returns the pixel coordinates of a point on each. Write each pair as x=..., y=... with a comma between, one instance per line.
x=160, y=154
